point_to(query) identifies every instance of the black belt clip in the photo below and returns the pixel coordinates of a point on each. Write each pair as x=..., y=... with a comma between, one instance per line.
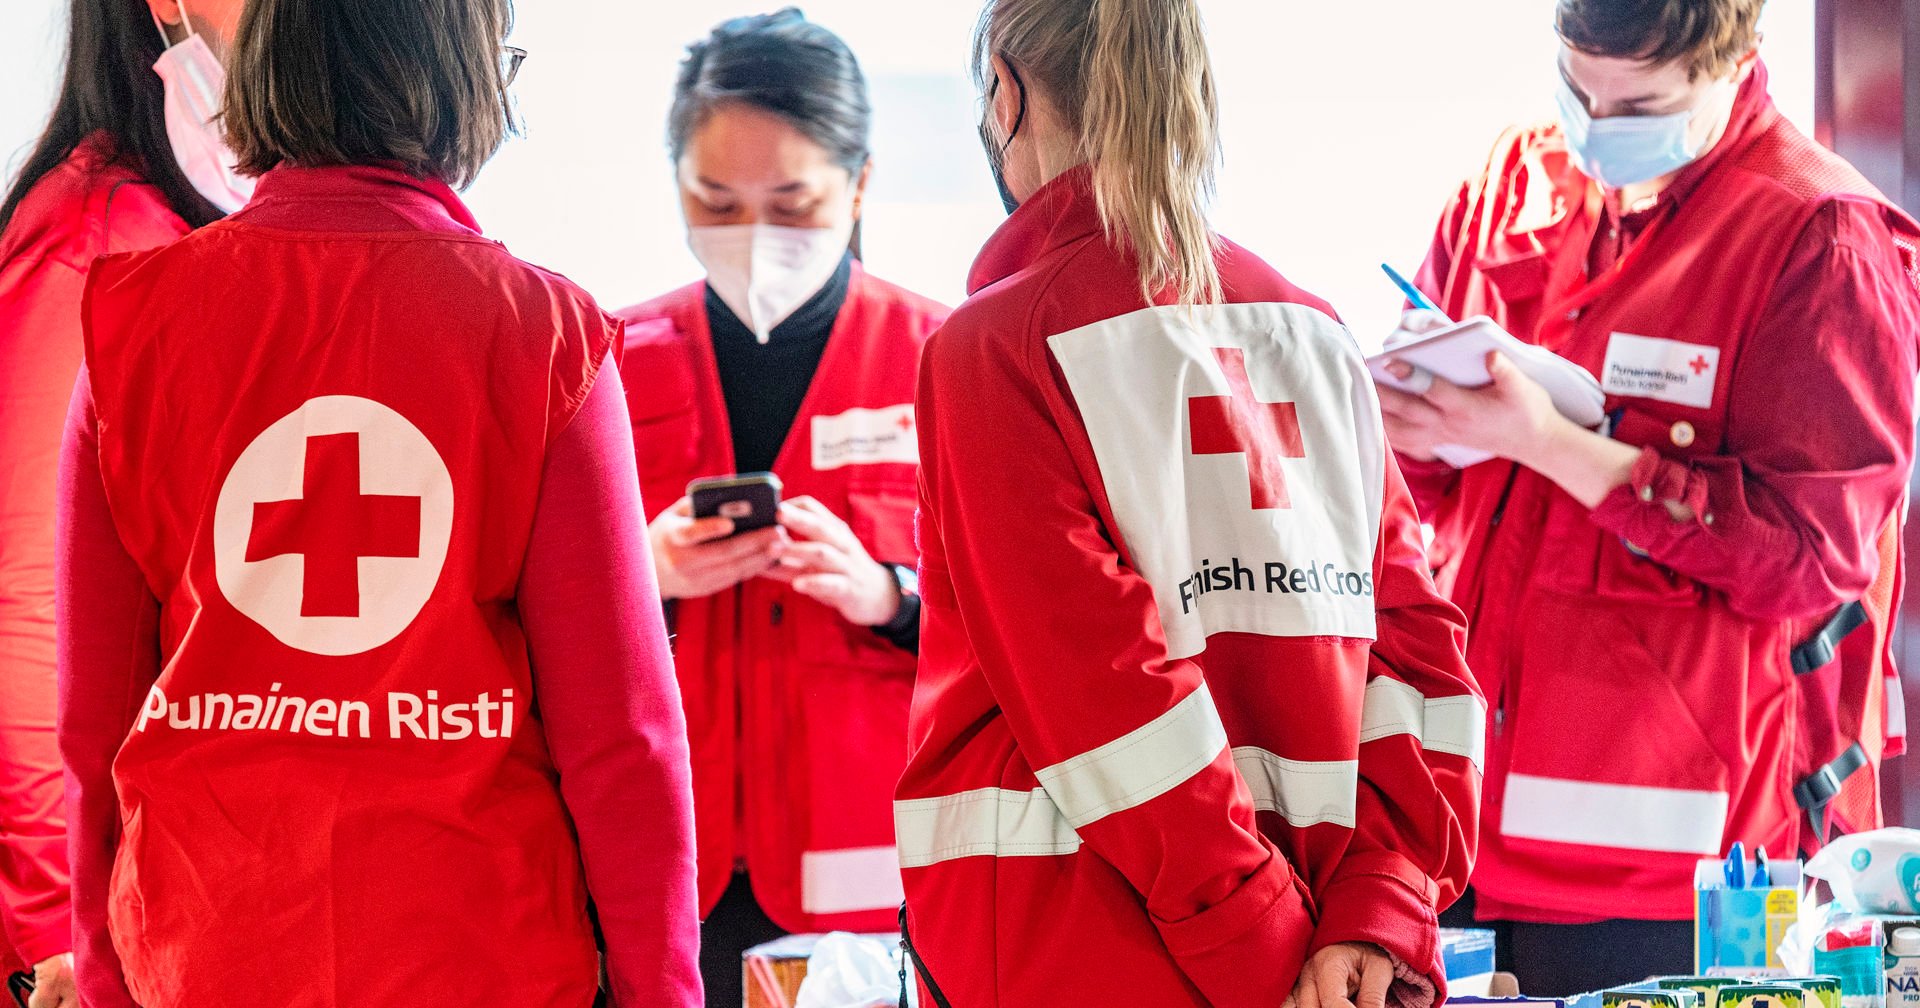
x=1818, y=791
x=1816, y=651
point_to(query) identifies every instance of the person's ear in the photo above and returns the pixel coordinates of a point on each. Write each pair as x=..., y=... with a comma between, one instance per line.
x=1006, y=99
x=1743, y=67
x=860, y=187
x=172, y=20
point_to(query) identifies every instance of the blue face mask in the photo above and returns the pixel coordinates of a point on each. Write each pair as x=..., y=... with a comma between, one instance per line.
x=1621, y=151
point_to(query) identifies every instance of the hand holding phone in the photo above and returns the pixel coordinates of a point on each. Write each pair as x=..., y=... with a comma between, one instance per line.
x=750, y=500
x=700, y=546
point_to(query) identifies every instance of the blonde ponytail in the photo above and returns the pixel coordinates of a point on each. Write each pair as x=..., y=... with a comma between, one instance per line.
x=1135, y=78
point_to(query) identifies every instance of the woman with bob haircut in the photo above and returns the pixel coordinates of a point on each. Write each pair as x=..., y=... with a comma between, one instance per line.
x=367, y=692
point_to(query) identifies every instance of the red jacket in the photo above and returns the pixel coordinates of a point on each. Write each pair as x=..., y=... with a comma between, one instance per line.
x=1756, y=340
x=87, y=207
x=797, y=718
x=323, y=426
x=1189, y=706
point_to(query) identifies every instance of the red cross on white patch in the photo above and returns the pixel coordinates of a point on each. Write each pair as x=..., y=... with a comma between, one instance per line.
x=332, y=526
x=1240, y=423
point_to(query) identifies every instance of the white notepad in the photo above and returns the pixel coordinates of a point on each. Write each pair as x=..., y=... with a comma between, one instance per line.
x=1458, y=353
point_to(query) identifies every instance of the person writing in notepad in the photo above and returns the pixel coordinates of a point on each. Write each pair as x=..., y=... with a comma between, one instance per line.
x=1748, y=303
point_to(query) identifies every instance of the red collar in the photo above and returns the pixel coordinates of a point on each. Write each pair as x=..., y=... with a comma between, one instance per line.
x=1060, y=213
x=355, y=198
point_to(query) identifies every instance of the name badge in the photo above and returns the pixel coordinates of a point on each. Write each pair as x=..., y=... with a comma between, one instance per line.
x=865, y=437
x=1663, y=369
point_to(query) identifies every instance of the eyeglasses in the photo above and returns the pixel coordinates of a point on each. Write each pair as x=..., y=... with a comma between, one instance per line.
x=510, y=59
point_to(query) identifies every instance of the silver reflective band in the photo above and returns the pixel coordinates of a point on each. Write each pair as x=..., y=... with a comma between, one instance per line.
x=991, y=821
x=1623, y=816
x=1303, y=793
x=1139, y=766
x=1455, y=724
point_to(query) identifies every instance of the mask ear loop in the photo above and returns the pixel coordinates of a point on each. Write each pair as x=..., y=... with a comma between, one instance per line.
x=186, y=21
x=1019, y=118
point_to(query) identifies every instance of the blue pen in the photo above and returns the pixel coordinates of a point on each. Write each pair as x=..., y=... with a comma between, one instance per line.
x=1736, y=866
x=1415, y=295
x=1762, y=875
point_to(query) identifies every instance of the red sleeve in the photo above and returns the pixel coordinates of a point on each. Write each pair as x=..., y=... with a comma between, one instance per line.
x=39, y=353
x=1422, y=745
x=109, y=646
x=605, y=684
x=1819, y=435
x=1018, y=531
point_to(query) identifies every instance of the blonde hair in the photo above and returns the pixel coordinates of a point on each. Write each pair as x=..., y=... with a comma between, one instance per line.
x=1135, y=79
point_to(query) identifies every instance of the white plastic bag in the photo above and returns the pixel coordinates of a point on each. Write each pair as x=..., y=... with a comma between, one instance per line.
x=1872, y=873
x=851, y=971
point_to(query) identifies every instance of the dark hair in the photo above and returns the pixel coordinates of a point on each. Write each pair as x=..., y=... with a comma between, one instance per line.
x=415, y=82
x=1707, y=35
x=786, y=65
x=110, y=88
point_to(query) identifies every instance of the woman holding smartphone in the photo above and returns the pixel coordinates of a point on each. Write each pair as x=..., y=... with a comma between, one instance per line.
x=366, y=696
x=795, y=643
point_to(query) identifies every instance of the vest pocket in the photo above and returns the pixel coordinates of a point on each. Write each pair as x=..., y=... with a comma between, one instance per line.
x=1582, y=559
x=1614, y=745
x=883, y=520
x=854, y=725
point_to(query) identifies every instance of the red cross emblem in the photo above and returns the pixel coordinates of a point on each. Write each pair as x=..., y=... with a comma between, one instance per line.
x=1699, y=364
x=905, y=423
x=1240, y=424
x=332, y=525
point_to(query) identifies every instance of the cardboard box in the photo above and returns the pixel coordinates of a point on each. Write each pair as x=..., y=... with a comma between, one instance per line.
x=782, y=963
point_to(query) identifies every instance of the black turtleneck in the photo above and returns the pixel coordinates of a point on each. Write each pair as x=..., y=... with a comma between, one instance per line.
x=764, y=385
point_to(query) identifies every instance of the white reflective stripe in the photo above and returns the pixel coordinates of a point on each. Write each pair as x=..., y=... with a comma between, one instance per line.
x=1623, y=816
x=850, y=880
x=1455, y=724
x=1896, y=709
x=991, y=821
x=1303, y=793
x=1139, y=766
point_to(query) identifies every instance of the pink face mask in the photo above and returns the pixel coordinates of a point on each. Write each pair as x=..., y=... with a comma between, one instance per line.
x=194, y=80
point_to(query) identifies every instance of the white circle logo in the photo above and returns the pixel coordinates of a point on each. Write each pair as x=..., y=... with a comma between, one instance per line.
x=332, y=528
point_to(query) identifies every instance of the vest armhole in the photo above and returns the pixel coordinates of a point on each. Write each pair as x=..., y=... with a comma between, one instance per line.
x=598, y=350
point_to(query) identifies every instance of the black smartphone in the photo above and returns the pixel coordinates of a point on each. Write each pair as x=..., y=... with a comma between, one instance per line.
x=752, y=500
x=20, y=985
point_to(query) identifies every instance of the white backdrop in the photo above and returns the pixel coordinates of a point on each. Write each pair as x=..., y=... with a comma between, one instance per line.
x=1346, y=128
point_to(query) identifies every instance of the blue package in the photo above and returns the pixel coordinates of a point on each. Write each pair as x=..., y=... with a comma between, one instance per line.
x=1467, y=956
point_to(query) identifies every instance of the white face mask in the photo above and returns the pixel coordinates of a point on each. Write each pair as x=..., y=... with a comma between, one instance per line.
x=194, y=80
x=765, y=272
x=1620, y=151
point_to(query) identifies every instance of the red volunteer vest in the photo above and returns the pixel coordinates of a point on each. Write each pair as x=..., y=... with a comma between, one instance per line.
x=87, y=207
x=323, y=448
x=797, y=719
x=1715, y=715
